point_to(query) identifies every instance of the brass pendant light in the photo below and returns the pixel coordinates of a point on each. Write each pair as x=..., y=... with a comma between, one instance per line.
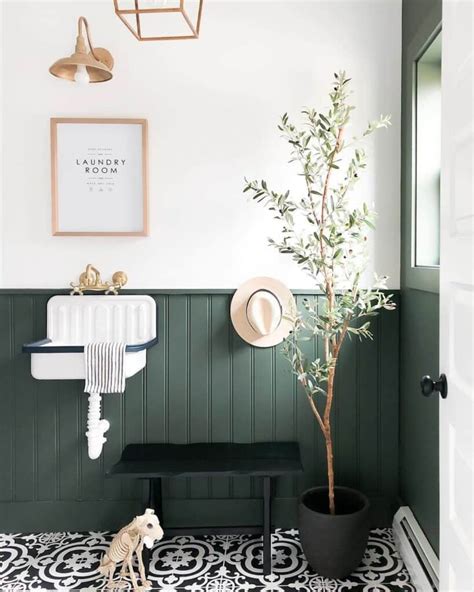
x=84, y=66
x=161, y=20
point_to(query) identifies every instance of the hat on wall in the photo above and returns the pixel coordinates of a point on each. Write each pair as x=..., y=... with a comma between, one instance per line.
x=259, y=311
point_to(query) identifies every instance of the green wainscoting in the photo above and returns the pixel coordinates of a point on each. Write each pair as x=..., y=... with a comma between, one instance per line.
x=201, y=383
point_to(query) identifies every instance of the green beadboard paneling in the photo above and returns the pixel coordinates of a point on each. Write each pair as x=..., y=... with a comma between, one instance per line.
x=6, y=400
x=201, y=383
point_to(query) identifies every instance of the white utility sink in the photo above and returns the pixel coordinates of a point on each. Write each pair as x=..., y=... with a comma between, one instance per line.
x=73, y=321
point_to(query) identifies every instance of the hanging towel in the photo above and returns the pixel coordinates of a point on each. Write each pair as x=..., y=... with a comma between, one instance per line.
x=105, y=367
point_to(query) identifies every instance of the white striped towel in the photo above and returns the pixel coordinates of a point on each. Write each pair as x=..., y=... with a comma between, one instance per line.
x=105, y=367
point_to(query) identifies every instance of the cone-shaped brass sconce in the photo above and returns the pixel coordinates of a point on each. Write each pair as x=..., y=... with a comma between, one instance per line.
x=84, y=66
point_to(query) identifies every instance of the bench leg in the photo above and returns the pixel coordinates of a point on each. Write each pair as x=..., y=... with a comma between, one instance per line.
x=267, y=525
x=155, y=501
x=156, y=498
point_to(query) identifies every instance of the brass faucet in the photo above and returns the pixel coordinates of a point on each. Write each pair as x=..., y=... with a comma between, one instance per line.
x=90, y=280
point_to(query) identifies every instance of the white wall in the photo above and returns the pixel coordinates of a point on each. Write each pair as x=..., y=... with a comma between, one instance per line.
x=212, y=106
x=1, y=145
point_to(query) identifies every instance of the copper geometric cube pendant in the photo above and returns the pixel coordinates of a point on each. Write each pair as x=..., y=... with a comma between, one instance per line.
x=161, y=20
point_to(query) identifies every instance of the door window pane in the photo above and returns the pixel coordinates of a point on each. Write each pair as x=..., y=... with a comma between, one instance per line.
x=428, y=155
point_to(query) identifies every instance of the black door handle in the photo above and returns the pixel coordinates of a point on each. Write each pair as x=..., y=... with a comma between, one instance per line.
x=429, y=386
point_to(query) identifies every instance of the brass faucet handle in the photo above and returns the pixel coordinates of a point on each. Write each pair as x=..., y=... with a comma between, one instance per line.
x=119, y=279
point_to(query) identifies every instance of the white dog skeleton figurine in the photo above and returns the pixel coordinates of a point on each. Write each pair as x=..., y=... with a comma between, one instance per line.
x=143, y=530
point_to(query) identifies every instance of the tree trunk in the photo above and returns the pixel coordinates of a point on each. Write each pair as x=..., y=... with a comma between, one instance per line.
x=330, y=462
x=327, y=432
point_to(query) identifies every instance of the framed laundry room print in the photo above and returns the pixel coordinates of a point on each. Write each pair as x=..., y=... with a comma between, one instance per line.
x=99, y=171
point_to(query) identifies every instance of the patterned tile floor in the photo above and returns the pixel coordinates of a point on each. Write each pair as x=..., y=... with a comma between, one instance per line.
x=68, y=561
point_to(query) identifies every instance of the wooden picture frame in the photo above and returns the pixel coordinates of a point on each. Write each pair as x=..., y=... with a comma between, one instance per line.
x=99, y=177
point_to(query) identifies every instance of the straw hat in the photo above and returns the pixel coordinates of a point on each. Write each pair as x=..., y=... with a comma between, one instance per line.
x=258, y=310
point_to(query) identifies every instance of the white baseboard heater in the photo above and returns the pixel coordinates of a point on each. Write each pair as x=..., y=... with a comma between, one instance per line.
x=416, y=551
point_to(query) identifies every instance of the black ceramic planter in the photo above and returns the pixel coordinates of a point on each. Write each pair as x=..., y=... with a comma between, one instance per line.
x=334, y=545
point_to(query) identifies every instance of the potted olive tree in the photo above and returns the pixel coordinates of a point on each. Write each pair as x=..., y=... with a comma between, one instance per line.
x=324, y=230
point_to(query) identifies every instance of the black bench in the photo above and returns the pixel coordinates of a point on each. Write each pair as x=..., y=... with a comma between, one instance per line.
x=263, y=459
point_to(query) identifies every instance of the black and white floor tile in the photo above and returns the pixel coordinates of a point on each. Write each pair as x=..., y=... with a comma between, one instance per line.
x=69, y=561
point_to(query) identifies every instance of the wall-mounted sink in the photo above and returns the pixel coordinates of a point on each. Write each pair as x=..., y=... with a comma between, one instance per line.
x=74, y=321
